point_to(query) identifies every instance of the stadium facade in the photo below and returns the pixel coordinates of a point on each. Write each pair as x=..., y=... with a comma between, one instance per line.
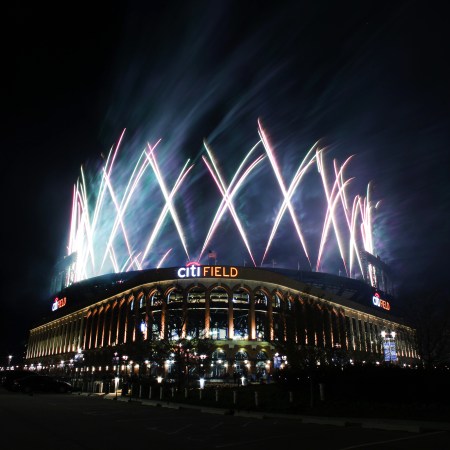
x=246, y=313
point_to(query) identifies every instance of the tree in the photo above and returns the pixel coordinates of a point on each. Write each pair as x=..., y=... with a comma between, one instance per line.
x=429, y=313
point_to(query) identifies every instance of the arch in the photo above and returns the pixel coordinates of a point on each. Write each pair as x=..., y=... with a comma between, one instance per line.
x=262, y=365
x=195, y=315
x=219, y=323
x=262, y=325
x=241, y=320
x=241, y=363
x=276, y=317
x=175, y=316
x=241, y=296
x=219, y=294
x=219, y=363
x=195, y=295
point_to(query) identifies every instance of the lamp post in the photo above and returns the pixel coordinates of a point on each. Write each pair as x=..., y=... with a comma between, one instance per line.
x=9, y=362
x=78, y=360
x=125, y=357
x=131, y=380
x=116, y=363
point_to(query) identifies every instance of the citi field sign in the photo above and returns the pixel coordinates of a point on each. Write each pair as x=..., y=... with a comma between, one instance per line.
x=377, y=301
x=196, y=270
x=58, y=303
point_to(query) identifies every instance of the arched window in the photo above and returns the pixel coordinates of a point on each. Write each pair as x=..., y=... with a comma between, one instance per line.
x=156, y=299
x=196, y=296
x=260, y=300
x=195, y=326
x=175, y=297
x=219, y=364
x=241, y=301
x=219, y=313
x=241, y=363
x=262, y=365
x=240, y=324
x=174, y=316
x=276, y=301
x=241, y=297
x=219, y=296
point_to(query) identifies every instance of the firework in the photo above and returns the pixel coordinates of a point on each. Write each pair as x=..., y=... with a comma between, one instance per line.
x=110, y=231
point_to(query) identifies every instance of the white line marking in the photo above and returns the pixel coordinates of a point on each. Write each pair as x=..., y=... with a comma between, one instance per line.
x=370, y=444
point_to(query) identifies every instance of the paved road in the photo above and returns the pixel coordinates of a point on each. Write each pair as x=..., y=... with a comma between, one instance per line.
x=75, y=422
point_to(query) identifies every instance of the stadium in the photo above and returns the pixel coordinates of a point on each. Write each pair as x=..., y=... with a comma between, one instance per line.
x=130, y=298
x=245, y=315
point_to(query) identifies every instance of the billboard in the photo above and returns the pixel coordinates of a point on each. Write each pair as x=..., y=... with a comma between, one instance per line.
x=390, y=350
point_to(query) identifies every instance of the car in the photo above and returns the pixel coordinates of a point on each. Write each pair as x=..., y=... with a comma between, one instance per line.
x=8, y=377
x=41, y=383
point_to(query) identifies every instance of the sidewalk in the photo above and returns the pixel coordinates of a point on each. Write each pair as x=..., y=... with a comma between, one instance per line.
x=413, y=426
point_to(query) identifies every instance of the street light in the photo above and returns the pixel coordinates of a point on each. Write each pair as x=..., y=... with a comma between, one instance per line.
x=9, y=362
x=125, y=357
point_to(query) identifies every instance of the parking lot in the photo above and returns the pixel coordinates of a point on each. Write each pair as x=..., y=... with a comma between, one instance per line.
x=73, y=422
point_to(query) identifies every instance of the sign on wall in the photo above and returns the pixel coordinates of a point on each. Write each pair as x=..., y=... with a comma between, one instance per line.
x=58, y=303
x=195, y=270
x=378, y=301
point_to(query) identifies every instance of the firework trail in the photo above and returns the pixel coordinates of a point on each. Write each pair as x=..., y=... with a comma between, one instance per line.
x=230, y=192
x=280, y=180
x=168, y=206
x=103, y=233
x=226, y=197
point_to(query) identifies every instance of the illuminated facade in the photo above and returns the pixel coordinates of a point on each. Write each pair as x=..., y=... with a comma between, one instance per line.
x=245, y=311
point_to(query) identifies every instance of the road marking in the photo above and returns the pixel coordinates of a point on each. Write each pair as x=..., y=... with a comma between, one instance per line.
x=240, y=443
x=370, y=444
x=169, y=432
x=216, y=426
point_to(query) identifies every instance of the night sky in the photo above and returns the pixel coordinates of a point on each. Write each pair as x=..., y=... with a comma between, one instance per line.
x=368, y=79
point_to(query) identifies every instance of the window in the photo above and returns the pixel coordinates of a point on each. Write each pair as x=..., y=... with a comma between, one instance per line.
x=240, y=321
x=219, y=364
x=195, y=297
x=241, y=363
x=260, y=300
x=219, y=296
x=241, y=297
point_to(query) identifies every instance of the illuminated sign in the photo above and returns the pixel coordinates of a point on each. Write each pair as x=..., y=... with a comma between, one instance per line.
x=195, y=270
x=377, y=301
x=390, y=350
x=58, y=303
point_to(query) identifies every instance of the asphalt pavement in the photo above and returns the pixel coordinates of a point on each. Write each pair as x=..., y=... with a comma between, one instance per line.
x=413, y=426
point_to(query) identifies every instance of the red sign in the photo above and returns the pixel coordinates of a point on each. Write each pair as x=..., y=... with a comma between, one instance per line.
x=58, y=303
x=377, y=301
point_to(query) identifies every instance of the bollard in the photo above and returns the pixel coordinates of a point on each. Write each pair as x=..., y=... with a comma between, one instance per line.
x=173, y=392
x=322, y=391
x=150, y=393
x=140, y=391
x=234, y=397
x=200, y=393
x=160, y=393
x=291, y=397
x=256, y=399
x=217, y=395
x=185, y=392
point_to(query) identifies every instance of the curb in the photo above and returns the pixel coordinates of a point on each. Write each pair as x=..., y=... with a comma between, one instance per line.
x=380, y=424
